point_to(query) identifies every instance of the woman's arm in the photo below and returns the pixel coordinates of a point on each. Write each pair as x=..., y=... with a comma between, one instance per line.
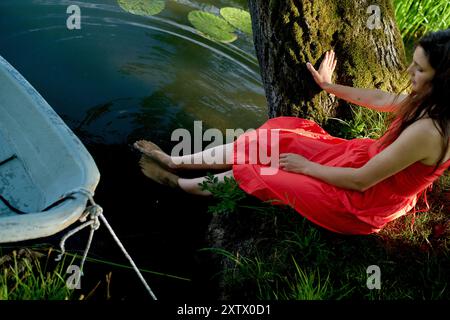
x=397, y=156
x=375, y=99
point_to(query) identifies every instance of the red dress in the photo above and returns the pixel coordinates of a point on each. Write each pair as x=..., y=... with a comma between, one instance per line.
x=336, y=209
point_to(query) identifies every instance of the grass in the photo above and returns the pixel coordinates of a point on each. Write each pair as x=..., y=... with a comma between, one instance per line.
x=365, y=123
x=32, y=274
x=283, y=256
x=23, y=276
x=417, y=17
x=306, y=285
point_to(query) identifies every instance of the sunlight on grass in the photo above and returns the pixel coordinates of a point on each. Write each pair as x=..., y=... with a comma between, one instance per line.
x=417, y=17
x=23, y=277
x=365, y=123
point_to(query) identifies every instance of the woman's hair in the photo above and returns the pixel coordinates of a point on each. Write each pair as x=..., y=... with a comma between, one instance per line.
x=435, y=100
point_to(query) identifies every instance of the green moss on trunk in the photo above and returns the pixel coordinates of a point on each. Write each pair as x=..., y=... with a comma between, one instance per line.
x=302, y=31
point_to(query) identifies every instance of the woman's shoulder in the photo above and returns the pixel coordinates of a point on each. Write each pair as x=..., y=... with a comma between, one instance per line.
x=430, y=127
x=434, y=139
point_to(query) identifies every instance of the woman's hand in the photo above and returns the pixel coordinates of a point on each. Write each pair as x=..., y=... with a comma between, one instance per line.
x=326, y=69
x=293, y=162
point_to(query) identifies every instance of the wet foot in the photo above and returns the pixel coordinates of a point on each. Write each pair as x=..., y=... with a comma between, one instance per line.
x=153, y=170
x=153, y=151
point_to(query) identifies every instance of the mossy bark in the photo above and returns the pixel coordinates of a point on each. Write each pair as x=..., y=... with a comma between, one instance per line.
x=289, y=33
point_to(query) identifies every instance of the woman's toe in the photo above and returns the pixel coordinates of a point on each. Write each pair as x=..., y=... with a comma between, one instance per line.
x=145, y=146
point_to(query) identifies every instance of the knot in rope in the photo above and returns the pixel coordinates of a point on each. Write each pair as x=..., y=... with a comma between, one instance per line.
x=94, y=211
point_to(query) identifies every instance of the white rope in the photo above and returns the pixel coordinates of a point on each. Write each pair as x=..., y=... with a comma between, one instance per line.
x=95, y=212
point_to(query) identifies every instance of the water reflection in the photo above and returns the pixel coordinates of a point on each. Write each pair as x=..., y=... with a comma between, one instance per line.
x=121, y=60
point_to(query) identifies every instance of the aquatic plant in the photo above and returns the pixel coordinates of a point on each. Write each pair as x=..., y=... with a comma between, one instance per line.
x=219, y=28
x=238, y=18
x=212, y=26
x=142, y=7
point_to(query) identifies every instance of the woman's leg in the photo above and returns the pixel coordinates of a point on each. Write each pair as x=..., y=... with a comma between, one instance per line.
x=192, y=185
x=218, y=158
x=155, y=171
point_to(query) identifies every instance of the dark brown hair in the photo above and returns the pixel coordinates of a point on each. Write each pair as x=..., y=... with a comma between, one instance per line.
x=434, y=101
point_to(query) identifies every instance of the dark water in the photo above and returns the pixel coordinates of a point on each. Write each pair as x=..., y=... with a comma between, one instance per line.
x=124, y=77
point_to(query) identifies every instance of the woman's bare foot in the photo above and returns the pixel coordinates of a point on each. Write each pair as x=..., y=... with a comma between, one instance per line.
x=154, y=171
x=145, y=146
x=153, y=151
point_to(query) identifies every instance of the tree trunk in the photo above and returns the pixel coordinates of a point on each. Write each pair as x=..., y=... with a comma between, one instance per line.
x=289, y=33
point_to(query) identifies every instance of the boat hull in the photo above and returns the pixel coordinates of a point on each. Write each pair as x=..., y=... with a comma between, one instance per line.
x=41, y=160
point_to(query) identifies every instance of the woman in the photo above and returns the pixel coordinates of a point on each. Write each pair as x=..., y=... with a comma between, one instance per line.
x=347, y=186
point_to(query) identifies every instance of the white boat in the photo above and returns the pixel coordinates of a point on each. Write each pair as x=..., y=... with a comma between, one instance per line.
x=41, y=160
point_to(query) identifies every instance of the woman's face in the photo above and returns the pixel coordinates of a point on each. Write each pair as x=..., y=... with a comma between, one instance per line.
x=420, y=71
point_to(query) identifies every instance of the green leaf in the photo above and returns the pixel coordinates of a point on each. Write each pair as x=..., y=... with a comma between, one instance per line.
x=142, y=7
x=212, y=26
x=238, y=18
x=227, y=193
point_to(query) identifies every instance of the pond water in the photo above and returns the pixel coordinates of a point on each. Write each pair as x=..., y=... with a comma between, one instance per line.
x=124, y=77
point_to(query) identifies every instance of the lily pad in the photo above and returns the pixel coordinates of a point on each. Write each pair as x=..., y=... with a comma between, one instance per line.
x=238, y=18
x=142, y=7
x=213, y=26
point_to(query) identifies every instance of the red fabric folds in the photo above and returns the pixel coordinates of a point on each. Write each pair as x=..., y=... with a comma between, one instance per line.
x=336, y=209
